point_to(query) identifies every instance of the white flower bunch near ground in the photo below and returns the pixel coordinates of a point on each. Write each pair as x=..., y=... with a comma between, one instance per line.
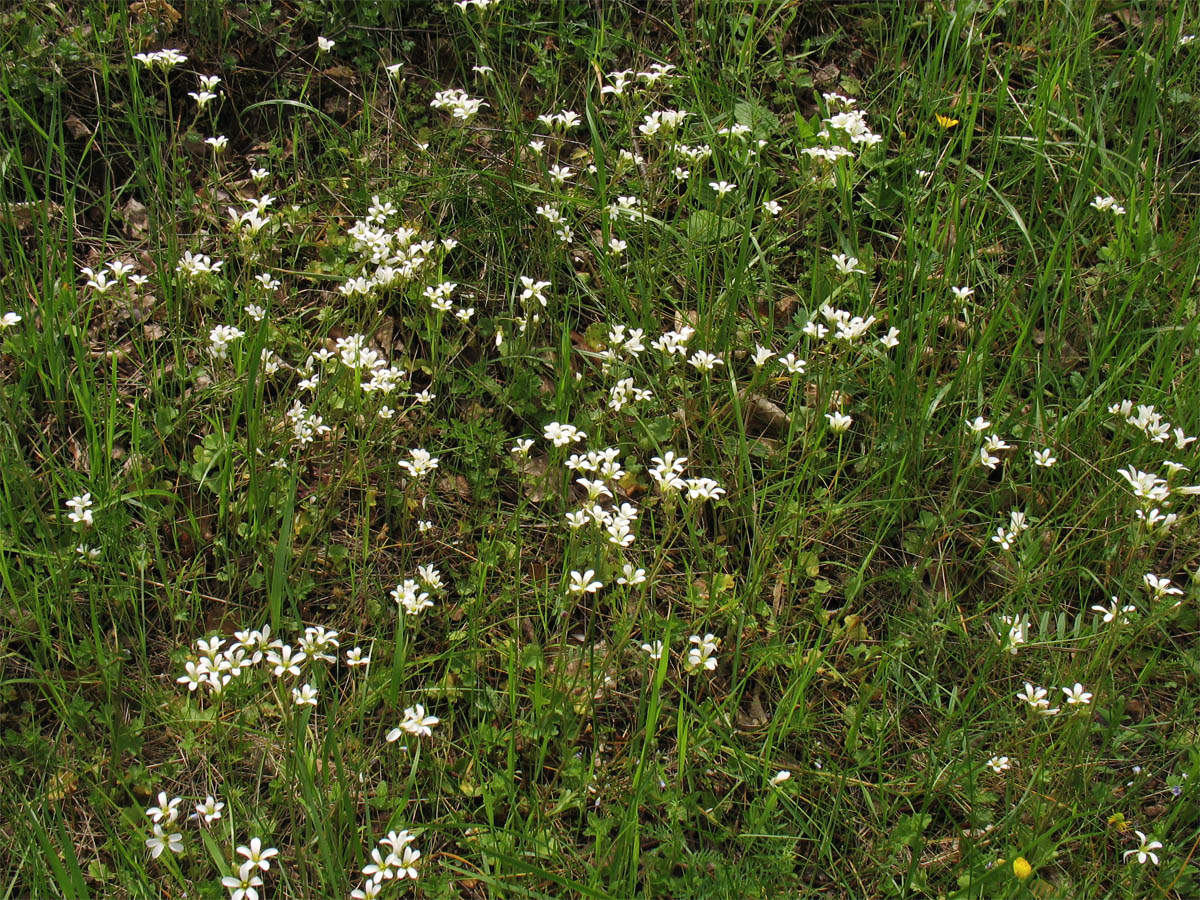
x=702, y=656
x=458, y=103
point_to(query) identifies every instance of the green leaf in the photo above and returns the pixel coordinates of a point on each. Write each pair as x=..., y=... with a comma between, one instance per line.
x=705, y=227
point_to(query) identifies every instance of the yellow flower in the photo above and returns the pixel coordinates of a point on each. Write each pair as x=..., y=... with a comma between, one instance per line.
x=1021, y=868
x=946, y=121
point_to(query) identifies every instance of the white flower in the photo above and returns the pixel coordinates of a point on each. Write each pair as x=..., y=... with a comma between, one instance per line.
x=257, y=855
x=703, y=655
x=654, y=650
x=9, y=319
x=705, y=362
x=631, y=576
x=703, y=489
x=722, y=187
x=1036, y=698
x=167, y=810
x=355, y=658
x=563, y=434
x=202, y=98
x=1018, y=630
x=995, y=442
x=218, y=143
x=81, y=510
x=846, y=265
x=221, y=337
x=780, y=777
x=1003, y=538
x=792, y=365
x=254, y=311
x=1044, y=458
x=891, y=339
x=838, y=422
x=582, y=583
x=962, y=294
x=1116, y=612
x=999, y=764
x=305, y=695
x=210, y=809
x=772, y=207
x=160, y=841
x=243, y=886
x=1108, y=204
x=1145, y=850
x=979, y=425
x=1145, y=485
x=762, y=355
x=421, y=464
x=415, y=722
x=324, y=44
x=1077, y=696
x=1160, y=587
x=285, y=660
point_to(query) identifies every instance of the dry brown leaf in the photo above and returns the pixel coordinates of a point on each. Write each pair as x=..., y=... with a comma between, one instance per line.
x=765, y=415
x=78, y=128
x=136, y=218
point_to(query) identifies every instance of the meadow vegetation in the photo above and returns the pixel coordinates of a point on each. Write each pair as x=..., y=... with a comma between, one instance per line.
x=697, y=449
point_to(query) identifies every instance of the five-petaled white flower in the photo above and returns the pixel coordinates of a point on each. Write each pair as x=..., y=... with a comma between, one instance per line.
x=1044, y=458
x=421, y=464
x=244, y=885
x=161, y=840
x=999, y=764
x=1077, y=696
x=257, y=854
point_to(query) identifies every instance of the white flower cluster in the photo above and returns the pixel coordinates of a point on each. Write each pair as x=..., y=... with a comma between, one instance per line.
x=197, y=265
x=1150, y=422
x=1017, y=525
x=306, y=426
x=461, y=106
x=81, y=510
x=850, y=122
x=703, y=654
x=991, y=444
x=101, y=281
x=253, y=219
x=662, y=122
x=220, y=338
x=411, y=598
x=1038, y=698
x=162, y=58
x=214, y=666
x=564, y=120
x=397, y=257
x=394, y=859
